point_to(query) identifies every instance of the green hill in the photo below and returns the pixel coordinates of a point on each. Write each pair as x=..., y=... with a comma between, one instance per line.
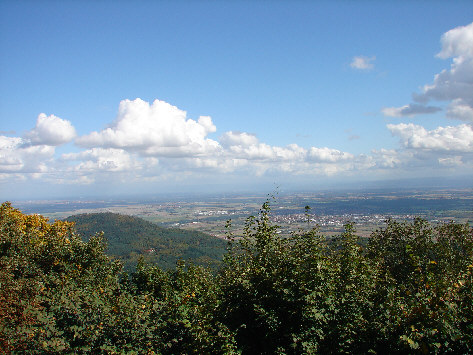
x=131, y=237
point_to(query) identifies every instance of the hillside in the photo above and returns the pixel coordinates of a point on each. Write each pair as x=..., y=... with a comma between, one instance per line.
x=129, y=237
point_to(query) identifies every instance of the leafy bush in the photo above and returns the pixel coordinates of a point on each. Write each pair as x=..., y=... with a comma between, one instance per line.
x=428, y=288
x=409, y=291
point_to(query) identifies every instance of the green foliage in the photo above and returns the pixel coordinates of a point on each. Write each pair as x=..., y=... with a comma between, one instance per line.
x=269, y=283
x=40, y=262
x=295, y=295
x=428, y=286
x=183, y=309
x=409, y=290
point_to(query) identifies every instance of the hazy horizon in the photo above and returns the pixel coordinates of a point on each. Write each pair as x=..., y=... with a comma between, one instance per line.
x=263, y=191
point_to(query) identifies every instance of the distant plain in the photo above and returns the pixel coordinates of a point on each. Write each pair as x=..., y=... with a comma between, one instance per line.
x=329, y=210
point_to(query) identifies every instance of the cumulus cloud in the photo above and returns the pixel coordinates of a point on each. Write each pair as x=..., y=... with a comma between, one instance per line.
x=33, y=154
x=130, y=147
x=18, y=157
x=9, y=159
x=251, y=150
x=362, y=62
x=409, y=110
x=328, y=155
x=461, y=110
x=447, y=139
x=159, y=129
x=454, y=85
x=100, y=159
x=444, y=147
x=387, y=158
x=51, y=130
x=243, y=153
x=235, y=138
x=457, y=42
x=157, y=142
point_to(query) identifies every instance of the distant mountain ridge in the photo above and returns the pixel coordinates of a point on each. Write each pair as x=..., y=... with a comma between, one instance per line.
x=130, y=237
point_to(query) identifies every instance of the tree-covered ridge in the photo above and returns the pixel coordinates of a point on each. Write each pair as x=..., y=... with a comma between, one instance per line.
x=129, y=238
x=409, y=291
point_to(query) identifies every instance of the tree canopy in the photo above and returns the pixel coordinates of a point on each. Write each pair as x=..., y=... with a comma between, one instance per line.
x=129, y=238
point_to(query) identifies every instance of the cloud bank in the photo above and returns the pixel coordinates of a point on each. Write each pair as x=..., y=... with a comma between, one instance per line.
x=156, y=141
x=152, y=140
x=442, y=139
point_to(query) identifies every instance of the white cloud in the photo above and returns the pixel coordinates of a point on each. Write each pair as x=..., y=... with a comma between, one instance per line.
x=387, y=158
x=129, y=147
x=100, y=159
x=51, y=130
x=262, y=151
x=10, y=160
x=9, y=143
x=362, y=62
x=447, y=139
x=34, y=153
x=234, y=138
x=159, y=129
x=128, y=151
x=409, y=110
x=215, y=164
x=292, y=152
x=142, y=132
x=461, y=110
x=443, y=147
x=454, y=85
x=451, y=161
x=328, y=155
x=18, y=157
x=457, y=42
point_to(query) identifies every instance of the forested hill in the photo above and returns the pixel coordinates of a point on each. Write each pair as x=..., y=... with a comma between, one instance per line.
x=130, y=237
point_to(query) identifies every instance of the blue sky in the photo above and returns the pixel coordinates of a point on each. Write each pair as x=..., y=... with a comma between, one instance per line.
x=250, y=94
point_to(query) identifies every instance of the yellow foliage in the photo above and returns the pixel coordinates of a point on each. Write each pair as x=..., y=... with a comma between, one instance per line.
x=34, y=229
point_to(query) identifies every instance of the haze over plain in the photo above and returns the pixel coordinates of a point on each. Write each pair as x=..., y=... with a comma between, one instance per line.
x=150, y=97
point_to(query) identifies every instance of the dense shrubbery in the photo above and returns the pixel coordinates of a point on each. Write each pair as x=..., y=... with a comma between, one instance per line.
x=409, y=291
